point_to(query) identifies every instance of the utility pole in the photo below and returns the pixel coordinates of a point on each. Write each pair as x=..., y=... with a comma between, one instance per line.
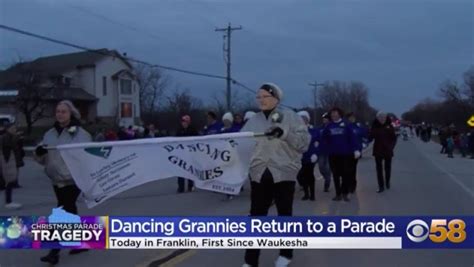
x=228, y=34
x=315, y=97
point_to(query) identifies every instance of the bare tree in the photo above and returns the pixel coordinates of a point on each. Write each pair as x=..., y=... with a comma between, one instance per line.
x=33, y=94
x=246, y=103
x=219, y=106
x=181, y=101
x=328, y=95
x=153, y=83
x=242, y=101
x=455, y=106
x=450, y=91
x=352, y=96
x=469, y=85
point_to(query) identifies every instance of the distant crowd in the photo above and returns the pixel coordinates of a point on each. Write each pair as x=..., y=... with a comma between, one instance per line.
x=230, y=123
x=450, y=138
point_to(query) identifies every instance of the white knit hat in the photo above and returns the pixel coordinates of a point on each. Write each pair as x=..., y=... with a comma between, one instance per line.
x=228, y=116
x=304, y=114
x=248, y=115
x=381, y=114
x=273, y=89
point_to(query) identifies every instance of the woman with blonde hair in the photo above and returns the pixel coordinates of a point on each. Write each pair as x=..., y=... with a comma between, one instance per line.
x=66, y=130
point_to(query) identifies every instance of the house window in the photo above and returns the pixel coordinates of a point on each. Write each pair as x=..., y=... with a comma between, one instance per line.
x=126, y=110
x=125, y=87
x=104, y=85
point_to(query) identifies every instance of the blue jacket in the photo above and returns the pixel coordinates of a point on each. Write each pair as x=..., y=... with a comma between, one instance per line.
x=361, y=134
x=471, y=141
x=312, y=149
x=238, y=126
x=214, y=128
x=232, y=129
x=322, y=145
x=340, y=138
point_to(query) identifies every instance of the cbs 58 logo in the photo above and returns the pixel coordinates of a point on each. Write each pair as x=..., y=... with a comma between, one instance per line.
x=438, y=232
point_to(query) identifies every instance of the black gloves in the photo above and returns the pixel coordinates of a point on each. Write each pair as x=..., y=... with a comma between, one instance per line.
x=275, y=132
x=41, y=151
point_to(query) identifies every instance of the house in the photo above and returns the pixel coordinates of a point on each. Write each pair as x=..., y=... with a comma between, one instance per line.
x=101, y=83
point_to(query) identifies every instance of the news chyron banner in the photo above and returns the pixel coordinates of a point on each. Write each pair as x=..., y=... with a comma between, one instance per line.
x=64, y=230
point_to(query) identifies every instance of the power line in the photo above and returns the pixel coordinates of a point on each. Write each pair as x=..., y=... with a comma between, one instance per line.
x=64, y=43
x=121, y=24
x=80, y=47
x=126, y=26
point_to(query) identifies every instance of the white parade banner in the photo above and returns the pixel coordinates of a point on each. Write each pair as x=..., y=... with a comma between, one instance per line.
x=216, y=162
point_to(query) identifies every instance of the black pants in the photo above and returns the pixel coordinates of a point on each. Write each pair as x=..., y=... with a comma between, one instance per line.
x=261, y=197
x=443, y=147
x=2, y=182
x=181, y=182
x=450, y=151
x=353, y=177
x=340, y=168
x=383, y=164
x=8, y=192
x=306, y=176
x=66, y=197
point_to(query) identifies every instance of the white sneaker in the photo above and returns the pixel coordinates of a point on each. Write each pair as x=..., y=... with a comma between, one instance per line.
x=282, y=262
x=246, y=265
x=13, y=206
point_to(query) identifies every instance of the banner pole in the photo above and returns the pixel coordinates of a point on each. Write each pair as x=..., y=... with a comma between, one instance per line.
x=257, y=135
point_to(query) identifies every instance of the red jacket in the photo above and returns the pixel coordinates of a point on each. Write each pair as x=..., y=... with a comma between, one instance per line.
x=110, y=136
x=384, y=138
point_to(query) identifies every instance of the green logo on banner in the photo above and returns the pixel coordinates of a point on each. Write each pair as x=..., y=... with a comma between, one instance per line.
x=103, y=152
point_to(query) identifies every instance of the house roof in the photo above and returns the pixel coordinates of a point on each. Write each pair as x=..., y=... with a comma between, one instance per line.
x=57, y=64
x=54, y=94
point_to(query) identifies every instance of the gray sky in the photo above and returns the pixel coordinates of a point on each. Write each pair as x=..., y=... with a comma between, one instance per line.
x=401, y=49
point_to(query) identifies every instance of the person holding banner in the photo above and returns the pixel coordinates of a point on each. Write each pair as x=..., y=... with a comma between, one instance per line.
x=342, y=149
x=186, y=130
x=276, y=161
x=66, y=130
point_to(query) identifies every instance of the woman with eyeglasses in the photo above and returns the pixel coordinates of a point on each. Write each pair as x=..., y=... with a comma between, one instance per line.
x=276, y=161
